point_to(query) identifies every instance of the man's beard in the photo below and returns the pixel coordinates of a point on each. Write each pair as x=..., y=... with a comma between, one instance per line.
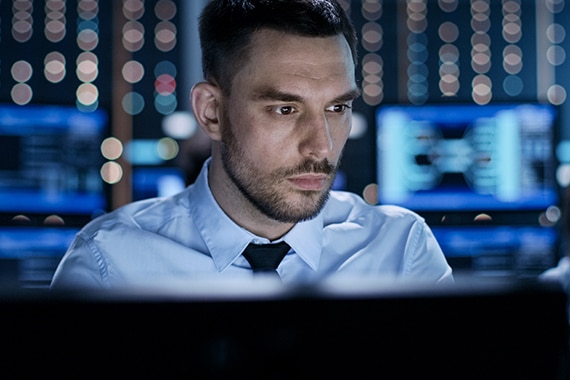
x=266, y=192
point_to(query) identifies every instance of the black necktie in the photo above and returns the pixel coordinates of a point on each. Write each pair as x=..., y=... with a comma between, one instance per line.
x=265, y=257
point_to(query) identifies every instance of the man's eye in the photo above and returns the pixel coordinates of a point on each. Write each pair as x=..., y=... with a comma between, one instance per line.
x=285, y=110
x=339, y=108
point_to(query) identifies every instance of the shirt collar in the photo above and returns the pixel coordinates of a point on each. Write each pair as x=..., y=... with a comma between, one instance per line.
x=226, y=240
x=306, y=239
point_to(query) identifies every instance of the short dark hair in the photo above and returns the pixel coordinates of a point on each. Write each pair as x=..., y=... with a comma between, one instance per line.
x=226, y=27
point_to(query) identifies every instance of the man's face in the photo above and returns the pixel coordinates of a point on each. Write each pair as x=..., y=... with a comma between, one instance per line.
x=286, y=122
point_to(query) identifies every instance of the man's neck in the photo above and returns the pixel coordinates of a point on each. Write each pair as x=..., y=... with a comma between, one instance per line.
x=239, y=209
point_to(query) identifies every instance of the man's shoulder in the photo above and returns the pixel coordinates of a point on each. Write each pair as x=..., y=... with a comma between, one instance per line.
x=347, y=207
x=345, y=201
x=124, y=215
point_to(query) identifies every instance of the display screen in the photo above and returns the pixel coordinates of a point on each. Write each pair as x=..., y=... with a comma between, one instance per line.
x=29, y=255
x=51, y=159
x=499, y=250
x=467, y=157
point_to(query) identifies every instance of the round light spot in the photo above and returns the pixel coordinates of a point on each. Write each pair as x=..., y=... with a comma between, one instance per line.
x=133, y=103
x=87, y=94
x=133, y=71
x=21, y=71
x=179, y=125
x=111, y=172
x=556, y=94
x=167, y=148
x=21, y=94
x=111, y=148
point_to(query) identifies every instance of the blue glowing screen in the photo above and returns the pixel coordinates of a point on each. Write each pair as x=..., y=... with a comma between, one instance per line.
x=466, y=156
x=51, y=159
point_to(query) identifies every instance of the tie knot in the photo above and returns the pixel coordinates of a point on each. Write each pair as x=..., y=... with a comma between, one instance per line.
x=265, y=257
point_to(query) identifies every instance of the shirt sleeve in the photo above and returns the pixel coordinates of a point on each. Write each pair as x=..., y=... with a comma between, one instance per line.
x=80, y=267
x=424, y=257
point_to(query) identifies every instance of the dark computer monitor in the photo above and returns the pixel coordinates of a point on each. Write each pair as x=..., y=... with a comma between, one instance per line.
x=355, y=328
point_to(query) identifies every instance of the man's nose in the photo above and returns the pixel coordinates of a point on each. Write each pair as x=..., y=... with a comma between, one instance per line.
x=317, y=139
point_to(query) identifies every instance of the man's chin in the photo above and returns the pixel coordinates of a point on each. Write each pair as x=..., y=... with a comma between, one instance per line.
x=308, y=206
x=294, y=218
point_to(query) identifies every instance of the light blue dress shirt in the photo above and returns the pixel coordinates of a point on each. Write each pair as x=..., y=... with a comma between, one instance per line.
x=188, y=236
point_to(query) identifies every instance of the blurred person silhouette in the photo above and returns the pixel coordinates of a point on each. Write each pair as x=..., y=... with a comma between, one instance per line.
x=279, y=85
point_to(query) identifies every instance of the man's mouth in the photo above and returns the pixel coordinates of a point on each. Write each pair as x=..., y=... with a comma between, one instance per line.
x=309, y=181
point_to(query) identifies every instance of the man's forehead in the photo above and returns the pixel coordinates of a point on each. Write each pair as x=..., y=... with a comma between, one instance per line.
x=292, y=64
x=300, y=56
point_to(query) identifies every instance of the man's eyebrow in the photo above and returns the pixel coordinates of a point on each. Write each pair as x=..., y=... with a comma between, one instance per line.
x=269, y=93
x=347, y=97
x=273, y=94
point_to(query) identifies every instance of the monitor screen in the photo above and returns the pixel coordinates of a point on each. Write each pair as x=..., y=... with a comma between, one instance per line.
x=466, y=156
x=51, y=160
x=157, y=182
x=30, y=255
x=507, y=250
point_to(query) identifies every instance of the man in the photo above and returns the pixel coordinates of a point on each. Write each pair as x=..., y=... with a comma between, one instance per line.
x=276, y=103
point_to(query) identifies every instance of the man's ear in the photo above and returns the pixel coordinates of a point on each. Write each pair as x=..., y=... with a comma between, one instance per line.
x=205, y=100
